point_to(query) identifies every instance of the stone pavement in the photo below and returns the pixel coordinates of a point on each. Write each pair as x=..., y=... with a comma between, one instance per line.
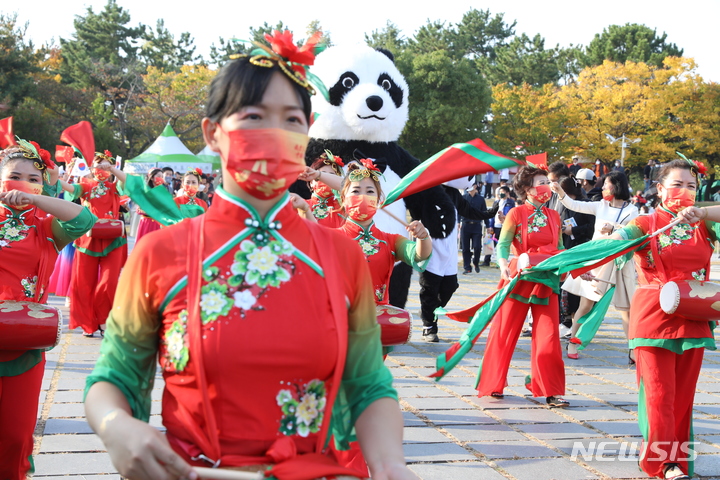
x=450, y=433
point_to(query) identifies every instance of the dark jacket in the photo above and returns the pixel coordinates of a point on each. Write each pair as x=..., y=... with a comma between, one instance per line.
x=583, y=232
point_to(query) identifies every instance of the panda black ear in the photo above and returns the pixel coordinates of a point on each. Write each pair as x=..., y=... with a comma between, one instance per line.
x=387, y=53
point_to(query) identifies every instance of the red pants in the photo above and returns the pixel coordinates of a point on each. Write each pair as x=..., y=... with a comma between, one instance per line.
x=92, y=289
x=667, y=388
x=546, y=363
x=19, y=397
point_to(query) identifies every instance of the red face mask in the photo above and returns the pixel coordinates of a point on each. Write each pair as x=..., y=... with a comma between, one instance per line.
x=322, y=190
x=265, y=162
x=23, y=186
x=100, y=175
x=608, y=195
x=158, y=181
x=361, y=207
x=543, y=193
x=679, y=198
x=190, y=190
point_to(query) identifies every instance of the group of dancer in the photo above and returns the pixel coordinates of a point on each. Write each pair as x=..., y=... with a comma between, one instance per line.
x=253, y=385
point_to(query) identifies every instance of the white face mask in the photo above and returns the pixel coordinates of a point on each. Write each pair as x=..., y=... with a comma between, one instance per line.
x=201, y=188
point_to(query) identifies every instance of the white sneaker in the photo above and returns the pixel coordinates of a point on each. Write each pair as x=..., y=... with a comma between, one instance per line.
x=564, y=331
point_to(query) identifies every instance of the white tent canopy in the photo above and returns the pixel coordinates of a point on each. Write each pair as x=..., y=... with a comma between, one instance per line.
x=166, y=151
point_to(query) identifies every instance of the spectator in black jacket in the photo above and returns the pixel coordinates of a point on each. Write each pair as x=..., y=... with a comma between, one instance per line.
x=471, y=231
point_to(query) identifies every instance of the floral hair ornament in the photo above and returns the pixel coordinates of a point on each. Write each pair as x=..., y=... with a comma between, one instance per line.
x=32, y=151
x=195, y=171
x=367, y=170
x=698, y=165
x=333, y=161
x=293, y=60
x=105, y=155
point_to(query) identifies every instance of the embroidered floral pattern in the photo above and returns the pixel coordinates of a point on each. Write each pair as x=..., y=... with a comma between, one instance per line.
x=303, y=408
x=99, y=190
x=214, y=302
x=321, y=210
x=29, y=286
x=538, y=221
x=677, y=235
x=699, y=275
x=369, y=245
x=380, y=293
x=12, y=231
x=262, y=265
x=174, y=344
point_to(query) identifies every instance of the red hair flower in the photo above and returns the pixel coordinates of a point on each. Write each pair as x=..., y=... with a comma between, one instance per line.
x=701, y=168
x=299, y=57
x=44, y=155
x=368, y=163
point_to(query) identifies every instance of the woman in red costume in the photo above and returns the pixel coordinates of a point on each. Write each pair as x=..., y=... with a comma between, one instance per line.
x=98, y=261
x=33, y=229
x=361, y=194
x=669, y=347
x=534, y=229
x=147, y=224
x=247, y=385
x=190, y=185
x=325, y=177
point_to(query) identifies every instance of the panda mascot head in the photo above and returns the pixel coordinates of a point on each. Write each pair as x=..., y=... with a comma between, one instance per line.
x=368, y=95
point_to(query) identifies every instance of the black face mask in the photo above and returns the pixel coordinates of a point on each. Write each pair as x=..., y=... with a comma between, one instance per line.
x=502, y=195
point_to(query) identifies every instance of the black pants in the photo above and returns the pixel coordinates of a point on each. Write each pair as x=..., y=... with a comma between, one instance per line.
x=471, y=244
x=435, y=291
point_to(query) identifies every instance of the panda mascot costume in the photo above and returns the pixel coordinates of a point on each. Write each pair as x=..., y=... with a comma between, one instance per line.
x=366, y=113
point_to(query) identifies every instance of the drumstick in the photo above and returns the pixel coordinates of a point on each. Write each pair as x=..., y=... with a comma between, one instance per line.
x=601, y=280
x=218, y=474
x=669, y=225
x=395, y=217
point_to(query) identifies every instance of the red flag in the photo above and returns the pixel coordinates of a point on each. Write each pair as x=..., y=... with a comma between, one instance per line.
x=81, y=137
x=64, y=154
x=457, y=161
x=7, y=137
x=539, y=160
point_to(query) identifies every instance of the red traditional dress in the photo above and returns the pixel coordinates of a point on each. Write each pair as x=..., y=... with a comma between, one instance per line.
x=29, y=242
x=185, y=199
x=668, y=348
x=98, y=261
x=254, y=356
x=534, y=231
x=326, y=210
x=146, y=224
x=381, y=251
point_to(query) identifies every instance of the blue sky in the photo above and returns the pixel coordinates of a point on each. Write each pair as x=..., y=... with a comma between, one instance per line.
x=690, y=24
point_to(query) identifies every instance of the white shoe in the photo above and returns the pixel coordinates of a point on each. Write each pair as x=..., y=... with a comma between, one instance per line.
x=564, y=331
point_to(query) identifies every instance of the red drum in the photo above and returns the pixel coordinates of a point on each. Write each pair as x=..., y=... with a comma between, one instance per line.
x=395, y=325
x=28, y=325
x=692, y=299
x=107, y=228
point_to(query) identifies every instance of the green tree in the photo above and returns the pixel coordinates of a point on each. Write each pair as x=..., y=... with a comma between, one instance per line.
x=17, y=62
x=525, y=60
x=160, y=50
x=479, y=34
x=630, y=42
x=449, y=101
x=390, y=38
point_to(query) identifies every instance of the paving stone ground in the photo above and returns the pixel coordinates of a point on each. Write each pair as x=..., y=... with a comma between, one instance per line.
x=450, y=433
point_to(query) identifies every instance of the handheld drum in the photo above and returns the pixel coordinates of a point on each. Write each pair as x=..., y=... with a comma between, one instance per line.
x=691, y=299
x=107, y=228
x=28, y=325
x=395, y=325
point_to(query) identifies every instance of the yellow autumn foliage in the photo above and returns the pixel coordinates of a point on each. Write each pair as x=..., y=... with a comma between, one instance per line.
x=670, y=109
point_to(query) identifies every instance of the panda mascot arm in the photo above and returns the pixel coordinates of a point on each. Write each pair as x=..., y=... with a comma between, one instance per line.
x=366, y=112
